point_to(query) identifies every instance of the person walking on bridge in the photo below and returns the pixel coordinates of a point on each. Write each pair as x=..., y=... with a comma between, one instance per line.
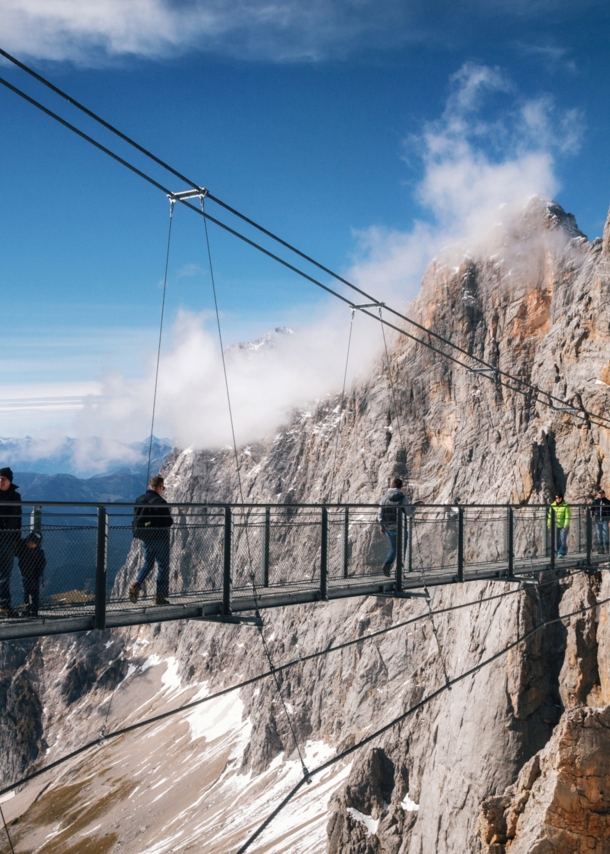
x=393, y=504
x=10, y=534
x=151, y=523
x=562, y=523
x=600, y=512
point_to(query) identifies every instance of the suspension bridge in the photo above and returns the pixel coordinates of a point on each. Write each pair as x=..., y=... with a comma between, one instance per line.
x=229, y=562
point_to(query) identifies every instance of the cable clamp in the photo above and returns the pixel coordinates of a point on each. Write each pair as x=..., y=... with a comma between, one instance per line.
x=367, y=305
x=102, y=737
x=198, y=193
x=306, y=774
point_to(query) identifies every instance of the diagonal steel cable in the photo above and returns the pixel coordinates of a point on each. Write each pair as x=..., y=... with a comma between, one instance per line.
x=332, y=470
x=154, y=406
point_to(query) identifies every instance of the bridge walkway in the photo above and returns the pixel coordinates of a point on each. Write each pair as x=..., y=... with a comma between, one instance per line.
x=227, y=561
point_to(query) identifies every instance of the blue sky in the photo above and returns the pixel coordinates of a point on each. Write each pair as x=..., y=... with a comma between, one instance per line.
x=321, y=120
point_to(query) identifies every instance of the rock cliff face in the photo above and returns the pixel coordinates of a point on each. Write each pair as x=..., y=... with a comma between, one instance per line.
x=512, y=759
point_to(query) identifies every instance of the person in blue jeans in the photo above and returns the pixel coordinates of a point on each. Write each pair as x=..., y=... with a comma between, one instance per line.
x=151, y=523
x=562, y=523
x=392, y=504
x=600, y=512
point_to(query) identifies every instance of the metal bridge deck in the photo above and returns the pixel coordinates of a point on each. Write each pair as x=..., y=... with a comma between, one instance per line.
x=210, y=606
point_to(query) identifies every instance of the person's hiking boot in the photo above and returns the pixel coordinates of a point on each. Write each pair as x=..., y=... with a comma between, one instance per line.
x=161, y=600
x=387, y=570
x=134, y=592
x=8, y=612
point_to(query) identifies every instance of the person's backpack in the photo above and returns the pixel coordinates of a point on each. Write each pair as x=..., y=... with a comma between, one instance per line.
x=138, y=525
x=389, y=516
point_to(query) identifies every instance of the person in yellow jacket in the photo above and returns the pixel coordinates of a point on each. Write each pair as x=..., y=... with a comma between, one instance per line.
x=562, y=523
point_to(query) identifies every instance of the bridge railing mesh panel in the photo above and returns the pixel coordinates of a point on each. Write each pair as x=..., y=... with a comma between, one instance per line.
x=485, y=537
x=195, y=557
x=531, y=542
x=433, y=543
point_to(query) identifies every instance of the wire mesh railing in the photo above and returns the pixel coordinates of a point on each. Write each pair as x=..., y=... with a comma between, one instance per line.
x=227, y=553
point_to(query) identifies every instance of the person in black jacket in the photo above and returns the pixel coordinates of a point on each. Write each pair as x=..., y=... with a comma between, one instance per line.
x=32, y=562
x=10, y=533
x=600, y=511
x=151, y=523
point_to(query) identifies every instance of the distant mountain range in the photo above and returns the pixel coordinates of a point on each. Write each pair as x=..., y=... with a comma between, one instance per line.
x=81, y=457
x=110, y=471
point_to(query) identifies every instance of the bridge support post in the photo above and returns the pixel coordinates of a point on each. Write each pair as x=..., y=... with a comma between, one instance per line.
x=266, y=546
x=410, y=524
x=460, y=549
x=36, y=519
x=553, y=538
x=101, y=563
x=226, y=576
x=346, y=543
x=589, y=523
x=510, y=531
x=324, y=556
x=400, y=536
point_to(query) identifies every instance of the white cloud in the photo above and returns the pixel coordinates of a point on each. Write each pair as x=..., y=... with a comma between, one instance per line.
x=266, y=383
x=89, y=33
x=490, y=151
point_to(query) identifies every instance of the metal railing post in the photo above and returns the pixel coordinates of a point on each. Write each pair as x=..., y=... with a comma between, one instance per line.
x=589, y=522
x=266, y=546
x=346, y=543
x=553, y=538
x=101, y=563
x=460, y=555
x=510, y=534
x=226, y=576
x=324, y=556
x=410, y=545
x=36, y=519
x=399, y=552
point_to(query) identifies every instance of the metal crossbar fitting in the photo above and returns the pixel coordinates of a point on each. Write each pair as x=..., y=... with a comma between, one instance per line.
x=491, y=371
x=201, y=192
x=369, y=305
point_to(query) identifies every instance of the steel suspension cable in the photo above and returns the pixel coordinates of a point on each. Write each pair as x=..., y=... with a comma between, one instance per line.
x=393, y=392
x=152, y=422
x=259, y=618
x=414, y=528
x=493, y=373
x=253, y=680
x=332, y=471
x=400, y=718
x=8, y=835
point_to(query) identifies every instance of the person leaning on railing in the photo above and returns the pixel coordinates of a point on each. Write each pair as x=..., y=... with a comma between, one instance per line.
x=152, y=520
x=600, y=512
x=10, y=534
x=562, y=523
